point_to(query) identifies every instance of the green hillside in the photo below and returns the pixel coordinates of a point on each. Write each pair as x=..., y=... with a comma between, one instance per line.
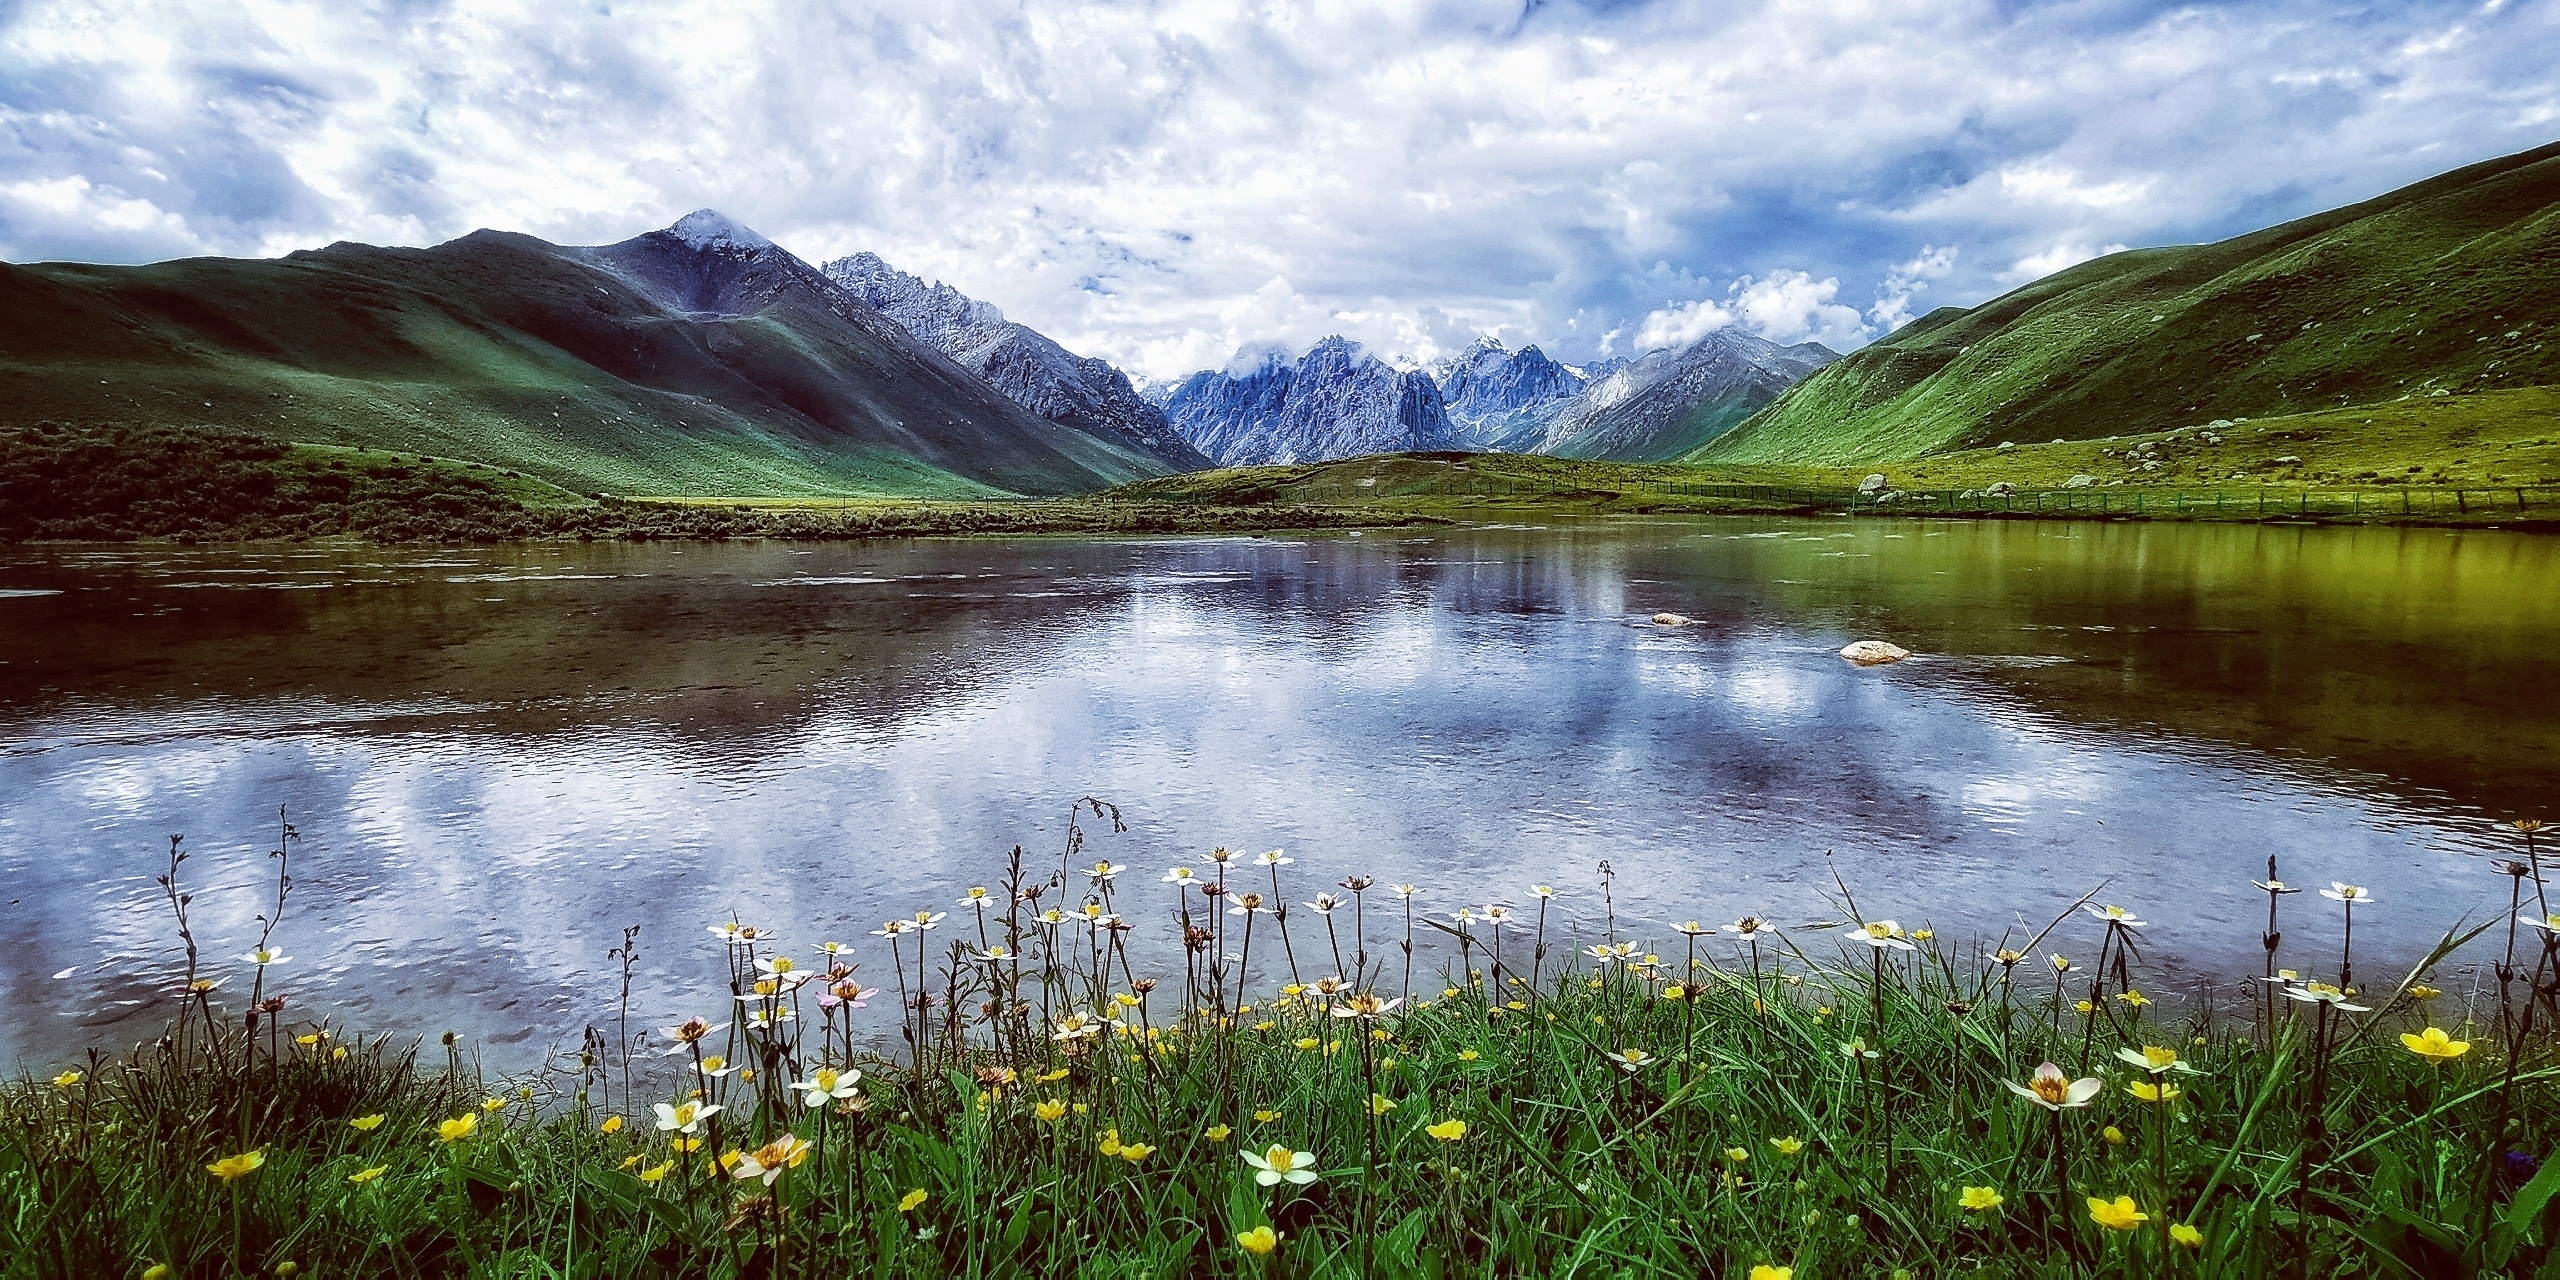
x=2448, y=287
x=504, y=350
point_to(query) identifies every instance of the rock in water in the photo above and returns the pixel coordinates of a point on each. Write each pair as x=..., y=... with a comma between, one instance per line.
x=1670, y=620
x=1868, y=653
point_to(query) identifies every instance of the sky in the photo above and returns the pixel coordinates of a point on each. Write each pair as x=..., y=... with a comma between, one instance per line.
x=1164, y=182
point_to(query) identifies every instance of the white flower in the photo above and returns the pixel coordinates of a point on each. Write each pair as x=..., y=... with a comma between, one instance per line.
x=1693, y=928
x=1601, y=953
x=1181, y=876
x=1751, y=927
x=996, y=954
x=892, y=929
x=2351, y=894
x=975, y=897
x=264, y=956
x=2275, y=886
x=1076, y=1026
x=2112, y=914
x=1104, y=870
x=2053, y=1091
x=1496, y=912
x=2323, y=993
x=768, y=1162
x=1366, y=1006
x=827, y=1084
x=1324, y=904
x=833, y=950
x=1405, y=890
x=1274, y=858
x=1280, y=1163
x=1542, y=891
x=1632, y=1060
x=775, y=966
x=2548, y=924
x=1879, y=934
x=928, y=919
x=685, y=1117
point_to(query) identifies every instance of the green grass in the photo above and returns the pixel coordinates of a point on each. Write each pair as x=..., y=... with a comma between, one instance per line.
x=1673, y=1105
x=2450, y=285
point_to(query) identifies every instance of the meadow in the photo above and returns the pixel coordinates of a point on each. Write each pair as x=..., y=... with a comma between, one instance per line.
x=1025, y=1090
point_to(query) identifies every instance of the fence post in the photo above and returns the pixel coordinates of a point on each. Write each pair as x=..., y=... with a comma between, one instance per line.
x=2460, y=504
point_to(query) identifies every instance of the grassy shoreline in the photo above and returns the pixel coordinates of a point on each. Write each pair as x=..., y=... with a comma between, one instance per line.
x=1739, y=1100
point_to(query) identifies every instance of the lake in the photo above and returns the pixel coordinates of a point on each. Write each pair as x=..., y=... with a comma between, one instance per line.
x=498, y=757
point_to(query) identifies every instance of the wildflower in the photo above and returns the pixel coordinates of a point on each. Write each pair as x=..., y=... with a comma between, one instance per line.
x=1468, y=1055
x=685, y=1117
x=1763, y=1271
x=264, y=956
x=1246, y=904
x=1272, y=858
x=2155, y=1059
x=1309, y=1043
x=2351, y=894
x=1216, y=1133
x=2129, y=996
x=907, y=1203
x=1737, y=1155
x=1879, y=934
x=1787, y=1146
x=1052, y=1077
x=2276, y=886
x=716, y=1066
x=1110, y=1144
x=156, y=1271
x=928, y=919
x=2324, y=993
x=2186, y=1235
x=688, y=1033
x=657, y=1172
x=1365, y=1005
x=1259, y=1241
x=2118, y=1216
x=1923, y=935
x=1050, y=1111
x=1632, y=1060
x=2423, y=992
x=685, y=1146
x=1076, y=1026
x=2112, y=915
x=768, y=1161
x=1857, y=1049
x=231, y=1168
x=2150, y=1092
x=366, y=1124
x=1693, y=928
x=1380, y=1104
x=2548, y=924
x=1979, y=1199
x=2083, y=1006
x=66, y=1080
x=2112, y=1136
x=2054, y=1091
x=2435, y=1046
x=1749, y=928
x=1449, y=1130
x=458, y=1128
x=827, y=1085
x=493, y=1104
x=1405, y=891
x=1325, y=903
x=1278, y=1163
x=611, y=1125
x=1136, y=1151
x=1181, y=876
x=2061, y=962
x=1601, y=954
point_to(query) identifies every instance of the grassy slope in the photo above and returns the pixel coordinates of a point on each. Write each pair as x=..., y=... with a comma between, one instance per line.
x=503, y=350
x=2450, y=285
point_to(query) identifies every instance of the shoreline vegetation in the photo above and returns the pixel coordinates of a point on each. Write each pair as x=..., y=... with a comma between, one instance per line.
x=1286, y=1092
x=119, y=483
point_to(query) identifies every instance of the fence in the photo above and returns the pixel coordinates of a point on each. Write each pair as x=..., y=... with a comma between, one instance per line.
x=2254, y=503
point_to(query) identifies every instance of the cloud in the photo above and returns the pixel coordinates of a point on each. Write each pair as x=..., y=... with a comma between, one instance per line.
x=1681, y=325
x=1134, y=177
x=2038, y=266
x=1906, y=281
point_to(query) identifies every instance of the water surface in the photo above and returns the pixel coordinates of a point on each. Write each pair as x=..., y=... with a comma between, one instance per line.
x=498, y=757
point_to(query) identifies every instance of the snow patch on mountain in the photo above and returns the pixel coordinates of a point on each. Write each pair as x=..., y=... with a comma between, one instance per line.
x=710, y=228
x=1499, y=399
x=1336, y=401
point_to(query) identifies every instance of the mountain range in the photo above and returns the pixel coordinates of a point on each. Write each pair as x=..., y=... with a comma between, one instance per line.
x=1336, y=401
x=698, y=359
x=2442, y=288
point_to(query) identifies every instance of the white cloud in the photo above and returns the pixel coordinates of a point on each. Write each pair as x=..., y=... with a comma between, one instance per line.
x=2038, y=266
x=1681, y=325
x=1784, y=306
x=1133, y=177
x=1906, y=281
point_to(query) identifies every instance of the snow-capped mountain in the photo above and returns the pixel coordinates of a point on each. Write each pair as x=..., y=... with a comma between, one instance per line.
x=1336, y=401
x=1669, y=402
x=1499, y=399
x=1078, y=391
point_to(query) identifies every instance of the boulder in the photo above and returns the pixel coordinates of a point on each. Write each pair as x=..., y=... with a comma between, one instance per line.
x=1670, y=620
x=1868, y=653
x=2003, y=489
x=1873, y=484
x=2079, y=482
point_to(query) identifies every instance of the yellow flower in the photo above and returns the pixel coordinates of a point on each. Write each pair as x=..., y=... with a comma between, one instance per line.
x=685, y=1146
x=233, y=1168
x=2186, y=1235
x=1736, y=1154
x=338, y=1054
x=492, y=1104
x=657, y=1172
x=1081, y=1108
x=458, y=1128
x=66, y=1080
x=2149, y=1092
x=2133, y=997
x=1110, y=1145
x=1468, y=1055
x=156, y=1271
x=2082, y=1006
x=1265, y=1117
x=629, y=1160
x=1380, y=1104
x=1787, y=1146
x=1136, y=1151
x=307, y=1041
x=2435, y=1046
x=2419, y=992
x=1447, y=1130
x=368, y=1175
x=1216, y=1133
x=1054, y=1076
x=1766, y=1272
x=612, y=1124
x=1050, y=1111
x=2118, y=1216
x=908, y=1202
x=366, y=1124
x=1979, y=1199
x=2113, y=1135
x=1309, y=1042
x=1259, y=1242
